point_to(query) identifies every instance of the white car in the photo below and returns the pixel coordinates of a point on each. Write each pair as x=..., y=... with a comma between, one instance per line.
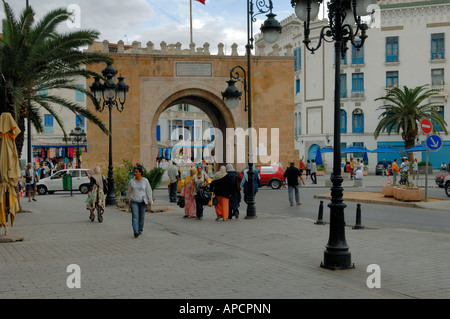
x=80, y=181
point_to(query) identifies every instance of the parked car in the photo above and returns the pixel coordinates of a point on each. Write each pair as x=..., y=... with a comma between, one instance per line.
x=271, y=175
x=447, y=185
x=379, y=168
x=440, y=180
x=80, y=181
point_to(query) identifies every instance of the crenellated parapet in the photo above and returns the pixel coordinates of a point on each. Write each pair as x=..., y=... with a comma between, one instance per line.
x=165, y=49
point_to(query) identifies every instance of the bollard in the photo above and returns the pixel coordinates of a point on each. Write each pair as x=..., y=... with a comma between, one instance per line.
x=319, y=220
x=358, y=218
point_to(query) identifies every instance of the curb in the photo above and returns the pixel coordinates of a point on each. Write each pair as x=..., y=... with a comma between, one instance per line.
x=380, y=202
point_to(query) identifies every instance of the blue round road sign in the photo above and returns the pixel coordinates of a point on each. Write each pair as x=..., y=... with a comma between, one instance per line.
x=434, y=142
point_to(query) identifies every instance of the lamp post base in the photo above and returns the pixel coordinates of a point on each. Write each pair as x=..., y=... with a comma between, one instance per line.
x=110, y=201
x=337, y=260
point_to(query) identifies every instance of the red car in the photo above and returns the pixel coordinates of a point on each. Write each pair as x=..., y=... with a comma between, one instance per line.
x=271, y=175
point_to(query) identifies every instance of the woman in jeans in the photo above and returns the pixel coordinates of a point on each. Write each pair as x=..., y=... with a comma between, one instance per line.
x=139, y=195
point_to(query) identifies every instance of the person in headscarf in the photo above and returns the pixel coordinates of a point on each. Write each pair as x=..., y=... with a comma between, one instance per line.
x=222, y=187
x=96, y=195
x=190, y=208
x=244, y=183
x=235, y=199
x=200, y=180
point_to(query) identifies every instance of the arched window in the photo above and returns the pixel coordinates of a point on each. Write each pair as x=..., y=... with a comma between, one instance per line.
x=358, y=121
x=343, y=121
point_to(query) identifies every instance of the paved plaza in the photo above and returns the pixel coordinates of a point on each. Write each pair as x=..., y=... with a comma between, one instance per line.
x=274, y=256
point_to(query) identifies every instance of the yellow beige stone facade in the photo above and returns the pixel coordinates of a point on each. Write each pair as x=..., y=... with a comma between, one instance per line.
x=159, y=79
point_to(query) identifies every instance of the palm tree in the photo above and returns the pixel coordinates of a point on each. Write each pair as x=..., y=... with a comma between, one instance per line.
x=35, y=57
x=404, y=110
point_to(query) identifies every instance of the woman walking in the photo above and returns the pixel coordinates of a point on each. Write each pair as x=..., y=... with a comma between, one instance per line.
x=221, y=186
x=96, y=195
x=235, y=199
x=190, y=208
x=308, y=168
x=200, y=180
x=139, y=195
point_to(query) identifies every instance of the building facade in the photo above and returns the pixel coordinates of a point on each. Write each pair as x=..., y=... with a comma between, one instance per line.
x=50, y=145
x=409, y=48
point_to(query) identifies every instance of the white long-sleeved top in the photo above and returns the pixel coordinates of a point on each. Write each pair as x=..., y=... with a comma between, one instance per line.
x=139, y=191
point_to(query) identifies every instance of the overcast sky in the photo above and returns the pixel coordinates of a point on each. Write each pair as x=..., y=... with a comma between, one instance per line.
x=219, y=21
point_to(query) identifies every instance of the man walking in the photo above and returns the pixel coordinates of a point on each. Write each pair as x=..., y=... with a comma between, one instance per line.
x=395, y=171
x=31, y=179
x=172, y=172
x=292, y=174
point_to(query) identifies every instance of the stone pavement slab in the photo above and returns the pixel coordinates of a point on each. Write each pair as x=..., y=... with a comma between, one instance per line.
x=271, y=257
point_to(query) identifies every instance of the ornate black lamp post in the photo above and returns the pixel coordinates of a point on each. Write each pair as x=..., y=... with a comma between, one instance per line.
x=78, y=136
x=110, y=92
x=271, y=30
x=344, y=25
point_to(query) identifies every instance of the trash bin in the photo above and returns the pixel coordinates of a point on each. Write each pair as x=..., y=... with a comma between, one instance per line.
x=67, y=182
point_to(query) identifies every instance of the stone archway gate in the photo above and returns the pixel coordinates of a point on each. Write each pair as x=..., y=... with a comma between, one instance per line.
x=159, y=79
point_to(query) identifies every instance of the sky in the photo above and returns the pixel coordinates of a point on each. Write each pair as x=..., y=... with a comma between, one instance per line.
x=218, y=21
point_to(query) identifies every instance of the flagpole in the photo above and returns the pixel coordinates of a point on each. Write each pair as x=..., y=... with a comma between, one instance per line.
x=191, y=21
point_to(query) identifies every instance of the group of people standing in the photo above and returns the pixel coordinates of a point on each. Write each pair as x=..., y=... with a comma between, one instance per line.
x=224, y=186
x=403, y=170
x=354, y=170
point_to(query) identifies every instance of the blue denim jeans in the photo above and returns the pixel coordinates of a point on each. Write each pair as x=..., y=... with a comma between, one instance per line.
x=138, y=215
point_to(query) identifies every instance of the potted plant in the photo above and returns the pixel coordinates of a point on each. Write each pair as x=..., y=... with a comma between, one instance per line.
x=320, y=171
x=388, y=190
x=407, y=193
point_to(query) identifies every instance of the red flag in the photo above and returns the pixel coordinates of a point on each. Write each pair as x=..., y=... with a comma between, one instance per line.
x=201, y=1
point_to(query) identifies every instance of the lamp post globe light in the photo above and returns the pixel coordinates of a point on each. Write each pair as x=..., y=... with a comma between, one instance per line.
x=78, y=136
x=111, y=93
x=344, y=26
x=271, y=30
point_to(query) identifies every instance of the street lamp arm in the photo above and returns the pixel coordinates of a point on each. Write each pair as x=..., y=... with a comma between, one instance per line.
x=324, y=33
x=235, y=75
x=263, y=7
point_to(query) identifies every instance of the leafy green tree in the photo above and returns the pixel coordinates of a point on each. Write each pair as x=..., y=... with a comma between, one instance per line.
x=404, y=109
x=34, y=57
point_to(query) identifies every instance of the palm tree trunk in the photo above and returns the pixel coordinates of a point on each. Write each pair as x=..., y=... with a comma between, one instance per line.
x=410, y=142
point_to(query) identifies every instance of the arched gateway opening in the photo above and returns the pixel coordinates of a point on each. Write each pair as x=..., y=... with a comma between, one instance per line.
x=219, y=115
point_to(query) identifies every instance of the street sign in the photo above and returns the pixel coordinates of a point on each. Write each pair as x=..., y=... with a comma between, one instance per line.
x=426, y=126
x=434, y=142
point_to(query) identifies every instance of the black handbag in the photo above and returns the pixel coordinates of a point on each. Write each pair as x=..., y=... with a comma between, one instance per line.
x=181, y=203
x=204, y=194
